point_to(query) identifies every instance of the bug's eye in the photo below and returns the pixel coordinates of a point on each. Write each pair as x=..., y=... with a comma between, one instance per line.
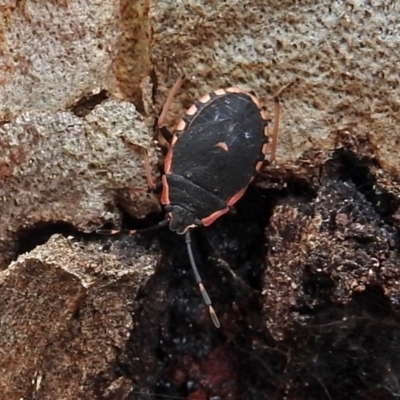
x=168, y=208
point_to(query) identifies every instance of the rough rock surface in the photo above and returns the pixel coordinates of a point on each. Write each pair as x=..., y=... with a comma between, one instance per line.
x=55, y=53
x=60, y=167
x=341, y=56
x=324, y=252
x=66, y=315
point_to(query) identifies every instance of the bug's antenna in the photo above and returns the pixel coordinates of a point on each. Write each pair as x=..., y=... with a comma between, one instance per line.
x=199, y=281
x=130, y=231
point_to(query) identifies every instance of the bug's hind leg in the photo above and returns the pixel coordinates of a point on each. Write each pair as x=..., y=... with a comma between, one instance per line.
x=167, y=105
x=275, y=129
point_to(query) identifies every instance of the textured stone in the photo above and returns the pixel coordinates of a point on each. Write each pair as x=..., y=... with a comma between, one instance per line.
x=339, y=54
x=54, y=53
x=60, y=167
x=65, y=316
x=326, y=251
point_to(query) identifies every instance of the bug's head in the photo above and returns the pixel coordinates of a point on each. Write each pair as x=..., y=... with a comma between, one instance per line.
x=181, y=219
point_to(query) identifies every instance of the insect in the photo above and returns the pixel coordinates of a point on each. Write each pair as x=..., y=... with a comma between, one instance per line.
x=215, y=152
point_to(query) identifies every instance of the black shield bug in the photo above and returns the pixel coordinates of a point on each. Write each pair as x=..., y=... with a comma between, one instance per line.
x=217, y=148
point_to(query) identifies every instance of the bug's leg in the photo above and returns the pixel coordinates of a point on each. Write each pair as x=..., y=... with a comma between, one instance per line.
x=275, y=129
x=131, y=231
x=221, y=263
x=161, y=119
x=276, y=121
x=199, y=281
x=151, y=186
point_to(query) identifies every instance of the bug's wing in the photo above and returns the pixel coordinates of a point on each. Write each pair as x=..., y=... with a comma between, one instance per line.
x=194, y=144
x=218, y=156
x=244, y=151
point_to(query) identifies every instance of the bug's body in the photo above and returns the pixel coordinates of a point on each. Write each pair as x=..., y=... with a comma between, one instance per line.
x=215, y=152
